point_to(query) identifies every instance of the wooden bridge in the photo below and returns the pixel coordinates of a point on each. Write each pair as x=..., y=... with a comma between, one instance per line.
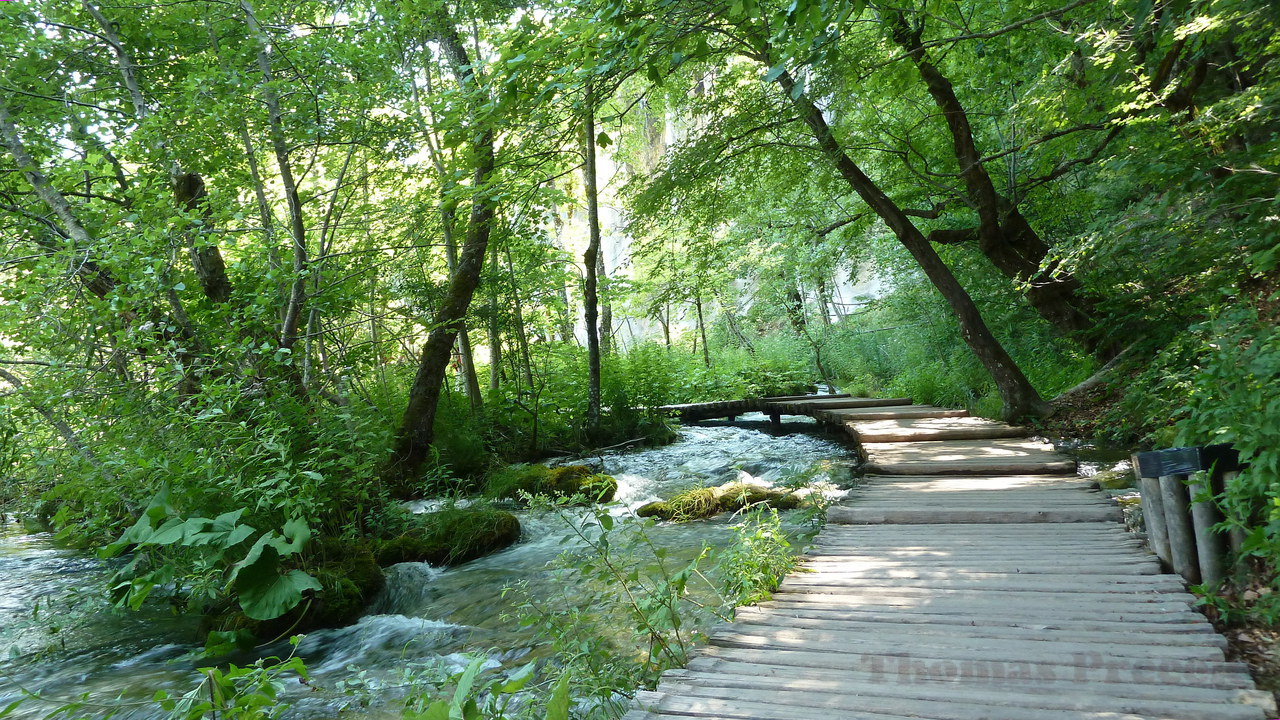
x=973, y=577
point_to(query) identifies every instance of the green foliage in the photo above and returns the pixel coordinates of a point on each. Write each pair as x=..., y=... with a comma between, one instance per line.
x=634, y=584
x=211, y=557
x=239, y=693
x=761, y=555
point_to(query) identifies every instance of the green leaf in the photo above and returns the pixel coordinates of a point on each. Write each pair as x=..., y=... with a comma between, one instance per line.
x=266, y=594
x=797, y=90
x=463, y=691
x=775, y=72
x=603, y=140
x=558, y=704
x=516, y=682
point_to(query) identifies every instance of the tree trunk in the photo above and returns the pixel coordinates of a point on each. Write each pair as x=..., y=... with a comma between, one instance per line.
x=495, y=334
x=188, y=188
x=448, y=219
x=417, y=427
x=702, y=330
x=1019, y=398
x=522, y=336
x=606, y=306
x=590, y=263
x=1004, y=235
x=280, y=144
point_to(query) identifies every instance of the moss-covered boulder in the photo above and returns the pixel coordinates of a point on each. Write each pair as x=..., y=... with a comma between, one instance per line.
x=704, y=502
x=657, y=509
x=737, y=495
x=451, y=537
x=558, y=482
x=694, y=504
x=1114, y=479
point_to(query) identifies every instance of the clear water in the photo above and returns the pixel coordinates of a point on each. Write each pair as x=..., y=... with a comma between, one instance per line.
x=425, y=613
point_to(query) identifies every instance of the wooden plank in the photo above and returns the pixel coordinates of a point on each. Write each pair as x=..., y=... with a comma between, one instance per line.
x=808, y=405
x=995, y=581
x=965, y=648
x=912, y=632
x=872, y=515
x=1189, y=622
x=905, y=411
x=1224, y=676
x=898, y=430
x=1175, y=614
x=1024, y=604
x=972, y=467
x=946, y=677
x=973, y=567
x=771, y=704
x=983, y=702
x=966, y=457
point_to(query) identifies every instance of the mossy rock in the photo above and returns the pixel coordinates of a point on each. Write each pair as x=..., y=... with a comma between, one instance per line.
x=737, y=495
x=452, y=537
x=694, y=504
x=1114, y=479
x=559, y=482
x=658, y=509
x=599, y=487
x=785, y=501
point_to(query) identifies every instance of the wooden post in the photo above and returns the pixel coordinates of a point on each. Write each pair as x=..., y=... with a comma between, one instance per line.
x=1236, y=536
x=1177, y=518
x=775, y=421
x=1211, y=547
x=1153, y=516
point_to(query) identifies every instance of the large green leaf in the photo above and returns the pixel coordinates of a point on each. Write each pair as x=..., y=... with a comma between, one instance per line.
x=266, y=593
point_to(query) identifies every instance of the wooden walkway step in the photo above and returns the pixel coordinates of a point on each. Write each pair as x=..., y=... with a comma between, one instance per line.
x=966, y=457
x=973, y=577
x=900, y=429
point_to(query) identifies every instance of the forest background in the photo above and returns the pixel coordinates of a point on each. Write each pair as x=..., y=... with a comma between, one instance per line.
x=280, y=264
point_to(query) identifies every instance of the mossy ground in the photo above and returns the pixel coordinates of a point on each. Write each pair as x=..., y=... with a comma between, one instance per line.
x=704, y=502
x=513, y=481
x=451, y=536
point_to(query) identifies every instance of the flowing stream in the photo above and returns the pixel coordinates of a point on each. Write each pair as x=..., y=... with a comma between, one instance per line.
x=60, y=642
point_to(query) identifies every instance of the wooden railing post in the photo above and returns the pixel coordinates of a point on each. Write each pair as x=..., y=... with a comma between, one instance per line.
x=1183, y=498
x=1177, y=519
x=1153, y=513
x=1211, y=546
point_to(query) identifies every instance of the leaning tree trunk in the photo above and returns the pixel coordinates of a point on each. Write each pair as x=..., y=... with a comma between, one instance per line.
x=590, y=262
x=1004, y=236
x=417, y=427
x=471, y=382
x=1019, y=397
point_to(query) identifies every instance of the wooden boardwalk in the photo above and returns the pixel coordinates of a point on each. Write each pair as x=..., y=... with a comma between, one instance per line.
x=973, y=577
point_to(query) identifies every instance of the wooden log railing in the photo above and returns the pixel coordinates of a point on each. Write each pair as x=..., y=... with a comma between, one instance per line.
x=1178, y=488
